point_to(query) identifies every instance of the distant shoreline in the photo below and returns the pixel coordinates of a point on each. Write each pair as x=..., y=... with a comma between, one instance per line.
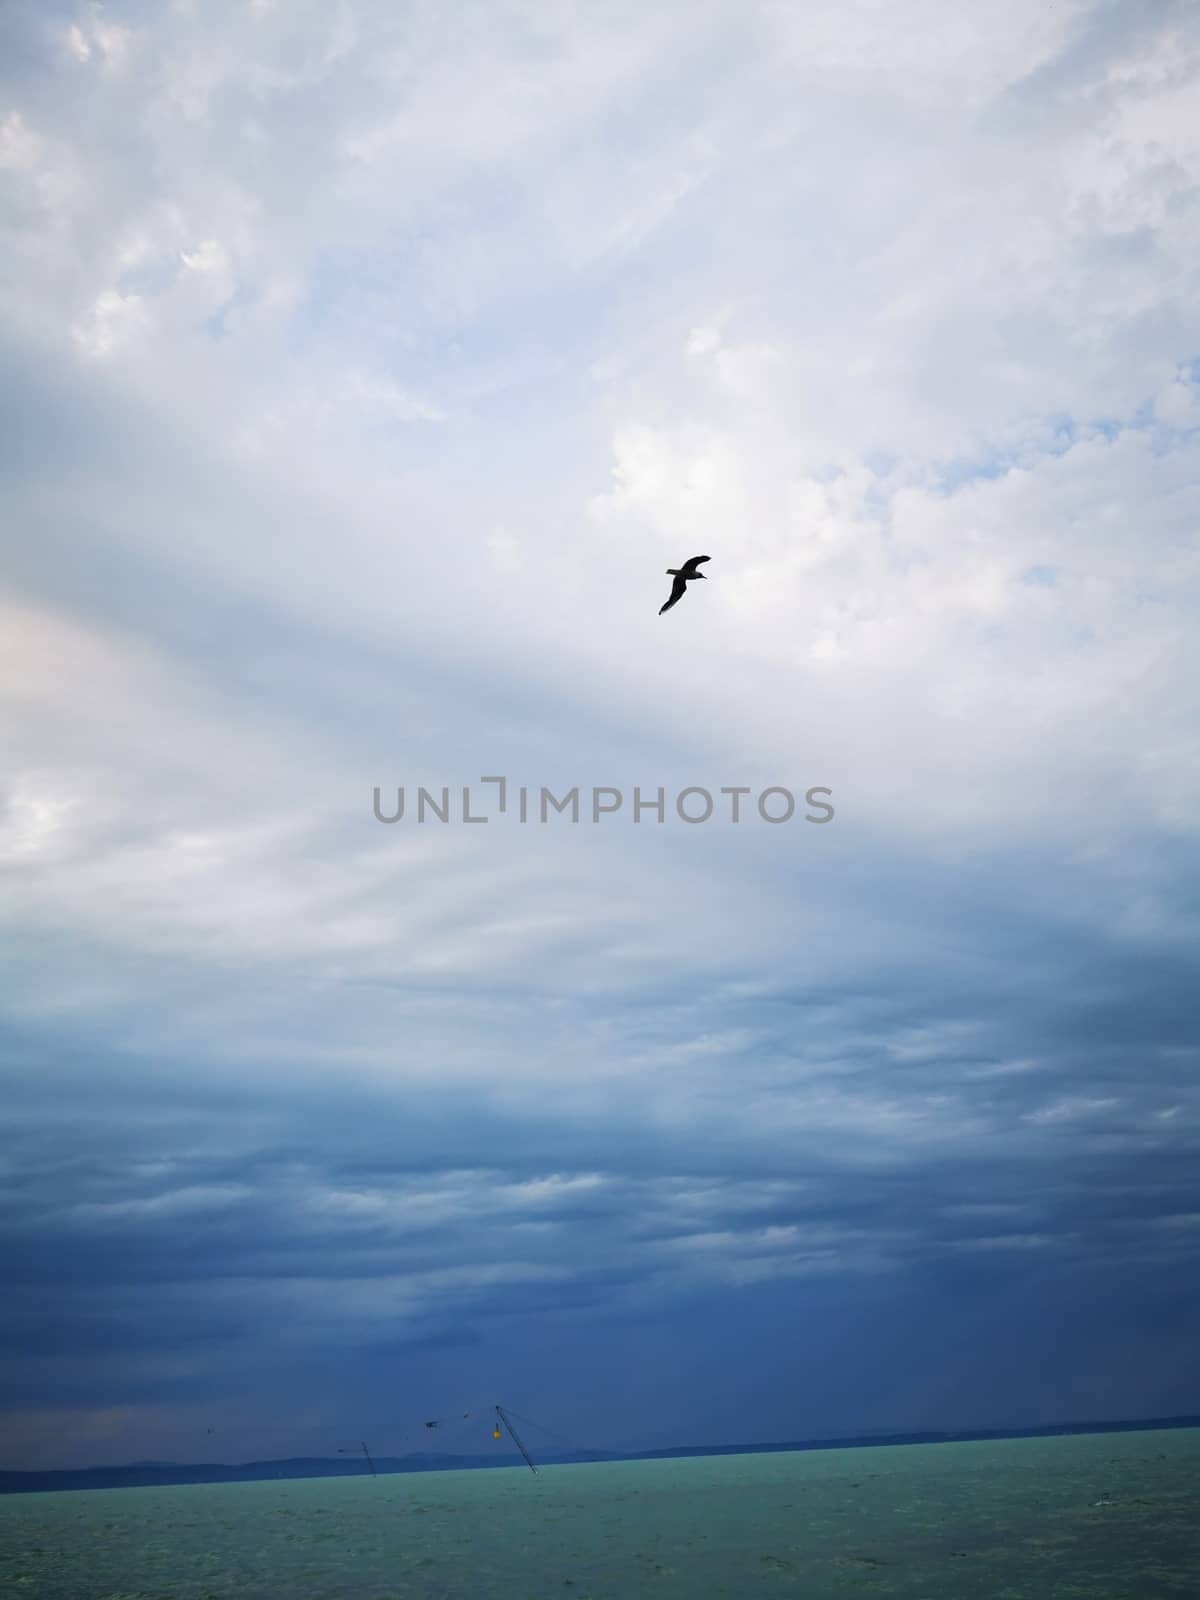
x=152, y=1474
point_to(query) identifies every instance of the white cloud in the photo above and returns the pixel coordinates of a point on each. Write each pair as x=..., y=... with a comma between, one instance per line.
x=95, y=37
x=77, y=43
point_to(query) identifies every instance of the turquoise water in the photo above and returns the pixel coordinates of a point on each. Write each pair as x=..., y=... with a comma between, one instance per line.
x=1009, y=1520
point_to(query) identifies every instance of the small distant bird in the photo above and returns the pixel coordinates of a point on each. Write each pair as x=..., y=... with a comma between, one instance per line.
x=682, y=575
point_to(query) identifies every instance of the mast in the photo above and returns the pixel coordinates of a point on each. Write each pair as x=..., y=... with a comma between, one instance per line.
x=503, y=1415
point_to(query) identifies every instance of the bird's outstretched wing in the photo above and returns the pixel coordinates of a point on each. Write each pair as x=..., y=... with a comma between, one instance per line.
x=697, y=561
x=677, y=590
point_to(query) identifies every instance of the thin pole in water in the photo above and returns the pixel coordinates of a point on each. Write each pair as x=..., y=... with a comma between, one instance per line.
x=370, y=1463
x=503, y=1415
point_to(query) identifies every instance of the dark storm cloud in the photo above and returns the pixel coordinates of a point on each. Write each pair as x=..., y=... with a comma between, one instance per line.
x=135, y=1234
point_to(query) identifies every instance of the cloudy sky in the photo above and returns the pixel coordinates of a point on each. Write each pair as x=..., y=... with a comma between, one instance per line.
x=363, y=368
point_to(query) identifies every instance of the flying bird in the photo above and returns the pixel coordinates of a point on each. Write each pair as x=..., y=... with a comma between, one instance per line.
x=682, y=575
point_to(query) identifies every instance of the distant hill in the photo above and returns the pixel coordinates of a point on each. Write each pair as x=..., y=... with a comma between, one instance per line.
x=149, y=1474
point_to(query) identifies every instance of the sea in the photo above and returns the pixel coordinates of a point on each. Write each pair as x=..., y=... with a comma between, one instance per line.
x=1091, y=1517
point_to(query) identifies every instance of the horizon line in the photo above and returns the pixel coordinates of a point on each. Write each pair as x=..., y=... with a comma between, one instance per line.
x=974, y=1433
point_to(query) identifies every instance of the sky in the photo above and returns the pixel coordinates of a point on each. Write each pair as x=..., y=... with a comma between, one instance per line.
x=363, y=368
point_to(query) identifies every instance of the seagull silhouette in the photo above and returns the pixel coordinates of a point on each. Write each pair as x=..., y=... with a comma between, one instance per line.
x=682, y=575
